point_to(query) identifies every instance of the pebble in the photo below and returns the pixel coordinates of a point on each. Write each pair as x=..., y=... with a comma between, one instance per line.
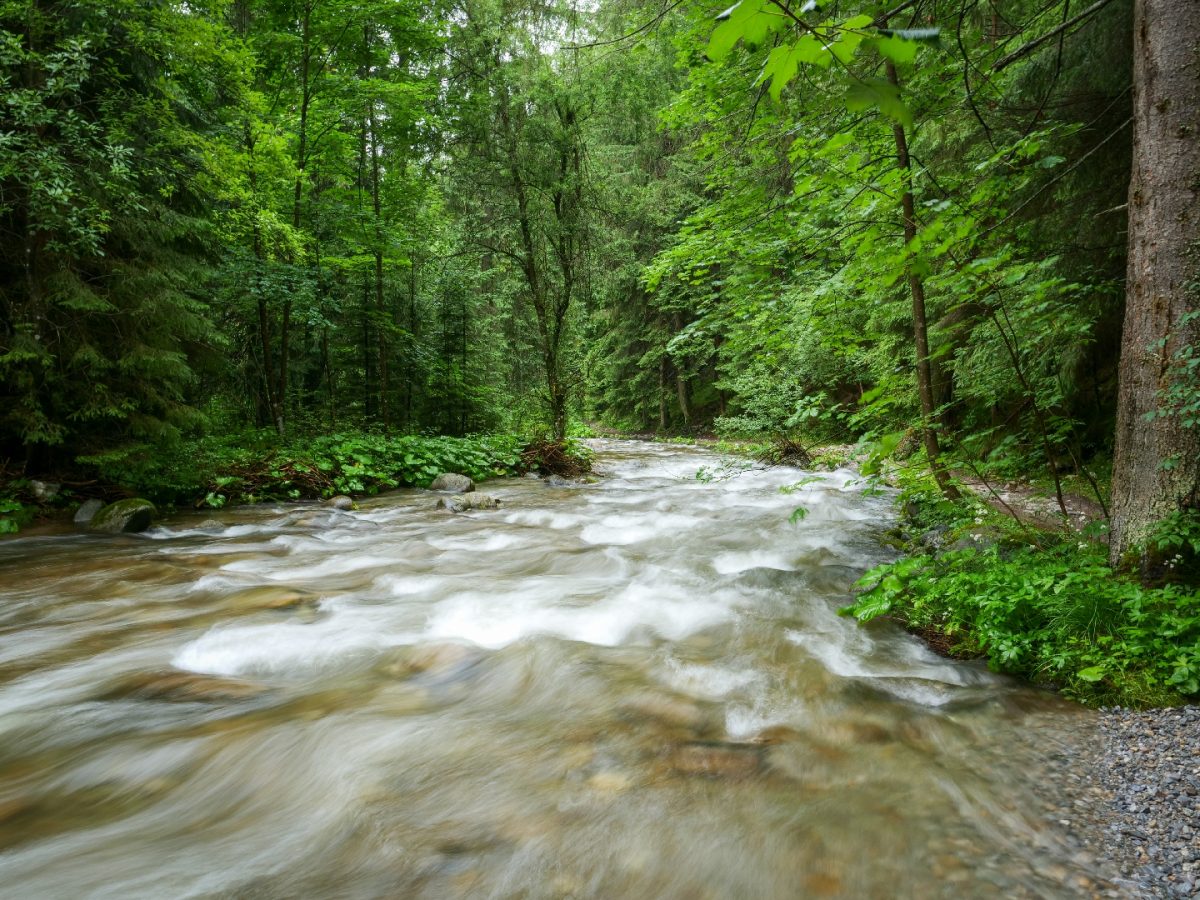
x=1140, y=804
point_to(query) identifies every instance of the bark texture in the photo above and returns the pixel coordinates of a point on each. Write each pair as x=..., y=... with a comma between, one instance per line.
x=1164, y=245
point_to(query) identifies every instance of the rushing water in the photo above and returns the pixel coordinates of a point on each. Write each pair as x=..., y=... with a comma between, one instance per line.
x=636, y=688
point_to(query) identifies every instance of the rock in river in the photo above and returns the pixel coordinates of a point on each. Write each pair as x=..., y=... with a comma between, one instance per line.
x=341, y=501
x=464, y=502
x=124, y=516
x=717, y=759
x=453, y=483
x=87, y=511
x=186, y=687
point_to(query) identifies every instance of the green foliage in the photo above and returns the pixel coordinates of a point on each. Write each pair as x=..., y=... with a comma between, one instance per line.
x=1057, y=615
x=13, y=514
x=257, y=466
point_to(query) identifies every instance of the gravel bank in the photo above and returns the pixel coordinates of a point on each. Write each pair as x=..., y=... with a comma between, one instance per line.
x=1141, y=800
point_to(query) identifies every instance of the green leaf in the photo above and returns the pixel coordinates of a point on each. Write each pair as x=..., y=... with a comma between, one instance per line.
x=896, y=49
x=881, y=94
x=1091, y=674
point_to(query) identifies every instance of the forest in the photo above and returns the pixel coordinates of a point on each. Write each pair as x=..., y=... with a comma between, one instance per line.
x=286, y=248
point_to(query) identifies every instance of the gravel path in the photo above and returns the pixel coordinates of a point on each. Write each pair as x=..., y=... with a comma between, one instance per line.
x=1139, y=800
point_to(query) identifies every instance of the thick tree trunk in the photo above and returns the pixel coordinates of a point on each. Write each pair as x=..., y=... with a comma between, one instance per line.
x=1156, y=468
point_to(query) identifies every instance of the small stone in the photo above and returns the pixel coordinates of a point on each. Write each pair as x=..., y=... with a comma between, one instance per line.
x=342, y=502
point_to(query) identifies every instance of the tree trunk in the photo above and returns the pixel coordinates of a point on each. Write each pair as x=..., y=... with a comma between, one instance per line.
x=662, y=394
x=920, y=326
x=1156, y=466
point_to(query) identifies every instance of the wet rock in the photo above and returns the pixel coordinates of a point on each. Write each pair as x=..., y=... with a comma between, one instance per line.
x=270, y=596
x=557, y=481
x=44, y=491
x=610, y=782
x=453, y=483
x=186, y=687
x=87, y=511
x=124, y=516
x=211, y=525
x=341, y=501
x=465, y=502
x=434, y=659
x=664, y=708
x=717, y=759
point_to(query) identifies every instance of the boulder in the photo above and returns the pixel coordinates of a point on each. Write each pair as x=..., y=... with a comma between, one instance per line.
x=87, y=511
x=45, y=491
x=452, y=483
x=464, y=502
x=124, y=516
x=341, y=501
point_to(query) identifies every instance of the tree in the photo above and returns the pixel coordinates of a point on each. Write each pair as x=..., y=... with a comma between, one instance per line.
x=1156, y=467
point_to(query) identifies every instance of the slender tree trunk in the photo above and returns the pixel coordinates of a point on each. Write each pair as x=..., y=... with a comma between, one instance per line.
x=916, y=288
x=662, y=393
x=380, y=310
x=1156, y=467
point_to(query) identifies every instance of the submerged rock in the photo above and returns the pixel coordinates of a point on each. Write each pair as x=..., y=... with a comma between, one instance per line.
x=434, y=659
x=667, y=709
x=464, y=502
x=186, y=687
x=270, y=596
x=453, y=483
x=124, y=516
x=717, y=759
x=341, y=501
x=87, y=511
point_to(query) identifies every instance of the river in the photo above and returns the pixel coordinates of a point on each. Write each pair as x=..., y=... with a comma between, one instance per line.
x=635, y=688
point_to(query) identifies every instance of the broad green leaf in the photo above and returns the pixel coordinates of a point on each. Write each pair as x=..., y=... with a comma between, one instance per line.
x=896, y=49
x=1091, y=674
x=881, y=94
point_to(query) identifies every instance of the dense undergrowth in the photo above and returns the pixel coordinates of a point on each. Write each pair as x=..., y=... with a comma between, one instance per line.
x=1044, y=605
x=255, y=466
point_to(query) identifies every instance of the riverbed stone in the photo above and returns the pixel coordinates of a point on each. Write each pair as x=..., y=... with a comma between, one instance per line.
x=341, y=501
x=465, y=502
x=87, y=511
x=717, y=759
x=453, y=483
x=187, y=687
x=664, y=708
x=269, y=597
x=128, y=516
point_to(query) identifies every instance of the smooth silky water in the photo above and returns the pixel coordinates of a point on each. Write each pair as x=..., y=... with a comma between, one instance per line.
x=633, y=688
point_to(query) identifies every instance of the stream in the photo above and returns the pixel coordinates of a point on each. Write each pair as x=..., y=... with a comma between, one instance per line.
x=635, y=688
